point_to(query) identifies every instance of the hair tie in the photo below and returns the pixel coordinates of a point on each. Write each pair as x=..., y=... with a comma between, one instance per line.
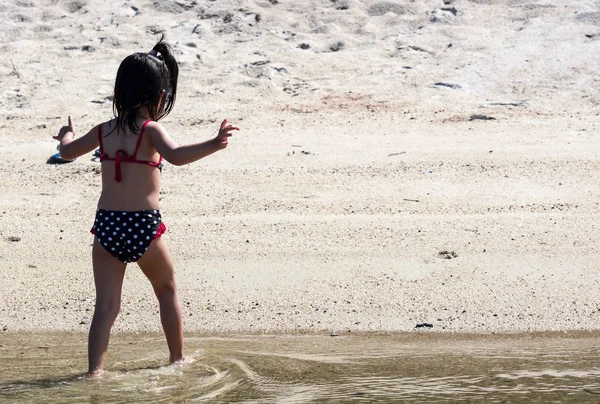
x=154, y=53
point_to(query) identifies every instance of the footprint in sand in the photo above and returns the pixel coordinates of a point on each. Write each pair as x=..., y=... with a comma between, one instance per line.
x=447, y=255
x=385, y=7
x=75, y=6
x=589, y=18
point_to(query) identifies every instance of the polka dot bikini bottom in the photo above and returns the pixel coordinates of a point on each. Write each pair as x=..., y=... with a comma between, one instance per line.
x=127, y=235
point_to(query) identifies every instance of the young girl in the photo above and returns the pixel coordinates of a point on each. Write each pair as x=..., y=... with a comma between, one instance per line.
x=128, y=223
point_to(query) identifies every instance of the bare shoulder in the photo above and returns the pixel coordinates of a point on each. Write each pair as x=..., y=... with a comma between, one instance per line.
x=160, y=139
x=105, y=127
x=155, y=129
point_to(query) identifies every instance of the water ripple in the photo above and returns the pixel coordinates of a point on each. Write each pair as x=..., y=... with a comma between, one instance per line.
x=307, y=369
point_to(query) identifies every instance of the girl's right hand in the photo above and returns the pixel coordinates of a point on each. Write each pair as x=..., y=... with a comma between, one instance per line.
x=66, y=130
x=224, y=133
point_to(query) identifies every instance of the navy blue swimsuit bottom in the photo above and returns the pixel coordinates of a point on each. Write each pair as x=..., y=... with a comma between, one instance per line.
x=127, y=235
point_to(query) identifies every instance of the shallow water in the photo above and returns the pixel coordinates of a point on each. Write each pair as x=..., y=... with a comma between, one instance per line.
x=413, y=367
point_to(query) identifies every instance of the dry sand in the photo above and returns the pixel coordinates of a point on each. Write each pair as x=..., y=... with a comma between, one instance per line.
x=365, y=191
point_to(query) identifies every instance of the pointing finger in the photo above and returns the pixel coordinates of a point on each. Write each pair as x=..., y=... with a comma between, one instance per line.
x=230, y=127
x=224, y=123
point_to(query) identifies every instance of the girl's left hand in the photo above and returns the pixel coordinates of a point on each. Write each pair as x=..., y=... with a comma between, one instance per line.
x=66, y=130
x=224, y=134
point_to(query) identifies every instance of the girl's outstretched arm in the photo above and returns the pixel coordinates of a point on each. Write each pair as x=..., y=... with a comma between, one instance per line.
x=185, y=154
x=71, y=148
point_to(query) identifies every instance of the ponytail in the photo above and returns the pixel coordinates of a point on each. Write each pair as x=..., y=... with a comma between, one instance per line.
x=164, y=52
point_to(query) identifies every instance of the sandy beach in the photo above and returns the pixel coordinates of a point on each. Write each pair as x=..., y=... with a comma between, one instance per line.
x=400, y=163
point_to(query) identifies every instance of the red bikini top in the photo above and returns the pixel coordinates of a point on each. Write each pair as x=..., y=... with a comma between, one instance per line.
x=121, y=155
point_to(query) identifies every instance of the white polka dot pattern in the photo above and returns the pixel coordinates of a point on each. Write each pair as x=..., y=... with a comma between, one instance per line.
x=120, y=244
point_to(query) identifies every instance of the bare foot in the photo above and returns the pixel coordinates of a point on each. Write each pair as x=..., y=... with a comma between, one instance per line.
x=95, y=374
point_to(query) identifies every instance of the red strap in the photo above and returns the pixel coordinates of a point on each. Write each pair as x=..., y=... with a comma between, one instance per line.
x=122, y=156
x=139, y=141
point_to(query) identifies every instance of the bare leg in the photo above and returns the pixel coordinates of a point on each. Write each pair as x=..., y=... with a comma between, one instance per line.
x=157, y=265
x=108, y=276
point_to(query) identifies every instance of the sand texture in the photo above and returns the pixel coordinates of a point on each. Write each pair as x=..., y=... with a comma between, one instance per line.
x=400, y=163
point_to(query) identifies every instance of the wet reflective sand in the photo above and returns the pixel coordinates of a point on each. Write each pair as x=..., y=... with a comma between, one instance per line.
x=414, y=367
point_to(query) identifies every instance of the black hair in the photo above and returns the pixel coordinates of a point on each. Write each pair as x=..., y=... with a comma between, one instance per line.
x=140, y=79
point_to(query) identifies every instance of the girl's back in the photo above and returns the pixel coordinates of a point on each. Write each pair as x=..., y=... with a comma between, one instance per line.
x=139, y=185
